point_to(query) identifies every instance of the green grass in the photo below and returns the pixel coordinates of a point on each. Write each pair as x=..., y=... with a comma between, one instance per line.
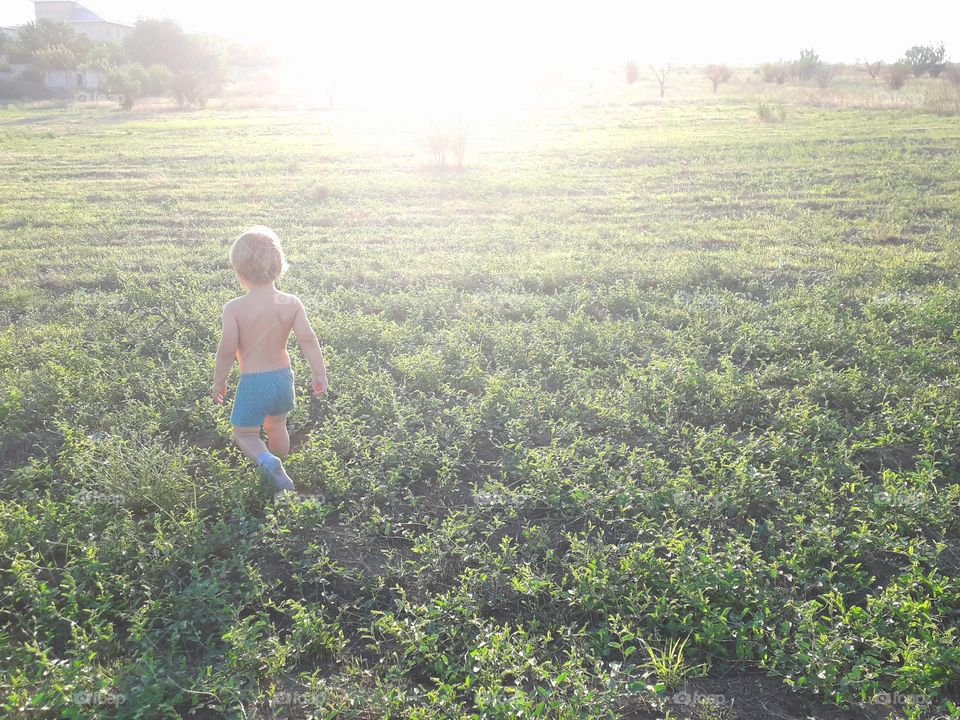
x=640, y=375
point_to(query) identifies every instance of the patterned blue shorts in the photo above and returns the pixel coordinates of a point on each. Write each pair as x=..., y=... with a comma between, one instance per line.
x=260, y=394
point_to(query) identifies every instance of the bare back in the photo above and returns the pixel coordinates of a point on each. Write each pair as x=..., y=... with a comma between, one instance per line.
x=264, y=319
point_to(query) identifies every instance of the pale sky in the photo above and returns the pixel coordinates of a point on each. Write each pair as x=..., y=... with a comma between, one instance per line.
x=733, y=31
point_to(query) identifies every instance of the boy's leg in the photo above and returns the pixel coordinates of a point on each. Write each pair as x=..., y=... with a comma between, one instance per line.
x=278, y=439
x=248, y=439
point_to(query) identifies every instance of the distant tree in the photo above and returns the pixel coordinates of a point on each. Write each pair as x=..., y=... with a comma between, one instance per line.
x=896, y=75
x=824, y=74
x=56, y=58
x=717, y=74
x=874, y=69
x=36, y=37
x=126, y=82
x=103, y=56
x=633, y=72
x=938, y=57
x=923, y=59
x=203, y=73
x=156, y=42
x=806, y=66
x=196, y=64
x=661, y=73
x=916, y=60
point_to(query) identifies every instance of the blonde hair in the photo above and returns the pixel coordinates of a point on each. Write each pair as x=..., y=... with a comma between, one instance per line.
x=257, y=255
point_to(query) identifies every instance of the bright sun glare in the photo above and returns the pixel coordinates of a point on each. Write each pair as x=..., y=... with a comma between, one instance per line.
x=444, y=57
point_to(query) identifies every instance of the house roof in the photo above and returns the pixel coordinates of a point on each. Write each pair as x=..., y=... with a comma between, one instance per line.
x=82, y=14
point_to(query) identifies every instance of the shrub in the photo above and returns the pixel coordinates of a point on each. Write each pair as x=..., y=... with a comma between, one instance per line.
x=434, y=142
x=806, y=66
x=443, y=138
x=633, y=72
x=774, y=73
x=896, y=75
x=191, y=87
x=127, y=82
x=139, y=472
x=718, y=74
x=771, y=113
x=874, y=69
x=824, y=74
x=158, y=79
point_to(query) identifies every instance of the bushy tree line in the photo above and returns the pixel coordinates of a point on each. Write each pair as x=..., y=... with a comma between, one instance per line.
x=157, y=58
x=808, y=66
x=917, y=61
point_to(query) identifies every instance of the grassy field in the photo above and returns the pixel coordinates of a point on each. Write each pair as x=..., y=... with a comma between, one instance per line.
x=652, y=411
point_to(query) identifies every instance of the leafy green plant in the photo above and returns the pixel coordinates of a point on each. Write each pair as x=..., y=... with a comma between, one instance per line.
x=669, y=666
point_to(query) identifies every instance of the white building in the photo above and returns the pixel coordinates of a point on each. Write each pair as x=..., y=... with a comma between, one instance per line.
x=81, y=19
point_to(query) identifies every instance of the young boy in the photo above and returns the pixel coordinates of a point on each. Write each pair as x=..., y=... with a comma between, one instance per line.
x=256, y=328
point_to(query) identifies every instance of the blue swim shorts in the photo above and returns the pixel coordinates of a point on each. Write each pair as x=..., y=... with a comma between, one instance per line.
x=260, y=394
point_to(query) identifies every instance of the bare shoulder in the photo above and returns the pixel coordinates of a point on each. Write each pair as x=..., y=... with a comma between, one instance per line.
x=233, y=306
x=289, y=299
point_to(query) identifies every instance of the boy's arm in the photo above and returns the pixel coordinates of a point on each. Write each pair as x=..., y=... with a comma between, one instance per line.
x=226, y=353
x=310, y=346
